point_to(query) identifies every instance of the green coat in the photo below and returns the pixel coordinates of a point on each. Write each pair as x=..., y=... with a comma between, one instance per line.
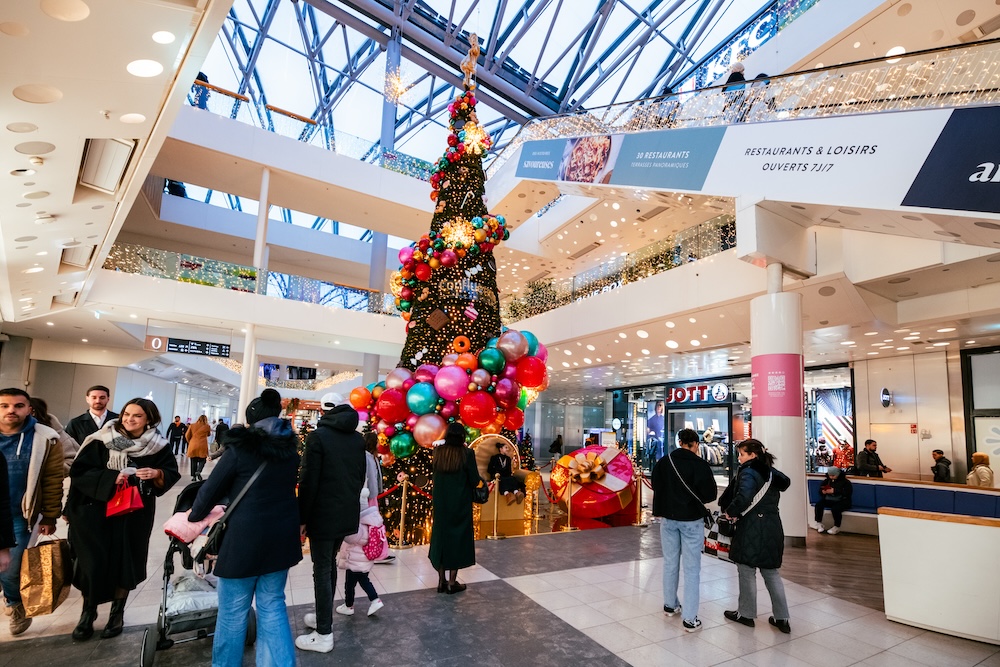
x=452, y=538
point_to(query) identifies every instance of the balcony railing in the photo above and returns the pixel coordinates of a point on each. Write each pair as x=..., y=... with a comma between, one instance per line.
x=704, y=240
x=226, y=103
x=938, y=78
x=144, y=261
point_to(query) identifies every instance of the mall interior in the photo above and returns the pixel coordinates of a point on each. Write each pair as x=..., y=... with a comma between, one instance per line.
x=205, y=198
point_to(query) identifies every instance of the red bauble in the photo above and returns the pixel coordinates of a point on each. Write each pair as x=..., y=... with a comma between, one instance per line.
x=422, y=272
x=530, y=372
x=515, y=419
x=478, y=409
x=392, y=406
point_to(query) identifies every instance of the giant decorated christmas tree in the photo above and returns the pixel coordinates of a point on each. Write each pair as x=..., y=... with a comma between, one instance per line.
x=458, y=365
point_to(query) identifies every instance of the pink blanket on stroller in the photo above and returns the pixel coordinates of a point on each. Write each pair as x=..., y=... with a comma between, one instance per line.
x=178, y=525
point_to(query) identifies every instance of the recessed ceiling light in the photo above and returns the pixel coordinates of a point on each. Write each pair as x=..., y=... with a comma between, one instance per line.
x=941, y=344
x=133, y=315
x=669, y=324
x=692, y=320
x=27, y=298
x=623, y=335
x=50, y=324
x=704, y=335
x=144, y=68
x=42, y=253
x=894, y=51
x=911, y=338
x=84, y=340
x=591, y=348
x=672, y=344
x=642, y=334
x=163, y=37
x=132, y=118
x=902, y=348
x=567, y=352
x=695, y=342
x=946, y=330
x=872, y=333
x=34, y=269
x=970, y=342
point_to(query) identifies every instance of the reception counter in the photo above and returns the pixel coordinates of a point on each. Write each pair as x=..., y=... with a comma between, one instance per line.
x=940, y=573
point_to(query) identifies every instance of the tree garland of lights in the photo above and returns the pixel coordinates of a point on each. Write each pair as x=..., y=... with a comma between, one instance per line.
x=458, y=364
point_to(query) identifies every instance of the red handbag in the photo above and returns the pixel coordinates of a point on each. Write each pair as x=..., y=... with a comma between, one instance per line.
x=126, y=499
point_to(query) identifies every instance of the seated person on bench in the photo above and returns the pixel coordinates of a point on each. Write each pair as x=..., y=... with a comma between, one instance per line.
x=511, y=487
x=835, y=495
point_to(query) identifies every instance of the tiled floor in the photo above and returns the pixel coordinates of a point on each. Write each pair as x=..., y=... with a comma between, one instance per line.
x=546, y=600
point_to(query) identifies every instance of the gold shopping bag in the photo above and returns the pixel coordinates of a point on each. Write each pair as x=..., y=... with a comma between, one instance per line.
x=46, y=577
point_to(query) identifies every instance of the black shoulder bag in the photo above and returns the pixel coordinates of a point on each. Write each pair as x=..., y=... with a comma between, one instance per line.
x=213, y=541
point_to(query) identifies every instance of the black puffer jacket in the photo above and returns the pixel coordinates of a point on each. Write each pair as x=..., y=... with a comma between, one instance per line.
x=333, y=473
x=760, y=539
x=263, y=531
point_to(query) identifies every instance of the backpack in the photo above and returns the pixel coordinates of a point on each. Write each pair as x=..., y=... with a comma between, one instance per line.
x=377, y=546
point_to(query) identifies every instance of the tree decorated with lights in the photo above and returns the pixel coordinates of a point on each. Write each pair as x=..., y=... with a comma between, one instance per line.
x=458, y=365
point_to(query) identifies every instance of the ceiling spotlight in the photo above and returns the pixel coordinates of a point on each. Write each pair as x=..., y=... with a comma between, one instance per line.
x=35, y=160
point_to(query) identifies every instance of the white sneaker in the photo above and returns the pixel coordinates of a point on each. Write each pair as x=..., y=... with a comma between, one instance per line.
x=833, y=531
x=375, y=606
x=314, y=641
x=345, y=610
x=818, y=526
x=310, y=621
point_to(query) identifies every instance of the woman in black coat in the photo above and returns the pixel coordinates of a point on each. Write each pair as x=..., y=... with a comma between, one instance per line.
x=452, y=539
x=111, y=552
x=759, y=542
x=502, y=464
x=262, y=536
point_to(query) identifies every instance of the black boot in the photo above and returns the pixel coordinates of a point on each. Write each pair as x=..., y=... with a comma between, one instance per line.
x=84, y=630
x=116, y=621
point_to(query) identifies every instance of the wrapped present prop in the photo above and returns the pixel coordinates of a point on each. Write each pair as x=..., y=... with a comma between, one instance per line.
x=603, y=481
x=46, y=577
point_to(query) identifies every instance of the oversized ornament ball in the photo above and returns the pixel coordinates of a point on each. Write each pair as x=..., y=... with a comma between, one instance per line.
x=422, y=398
x=530, y=372
x=360, y=398
x=429, y=428
x=451, y=382
x=478, y=409
x=425, y=373
x=402, y=445
x=396, y=377
x=507, y=393
x=532, y=342
x=512, y=344
x=481, y=378
x=392, y=406
x=492, y=360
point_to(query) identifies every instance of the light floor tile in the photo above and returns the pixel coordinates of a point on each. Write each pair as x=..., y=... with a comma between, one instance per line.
x=695, y=650
x=582, y=616
x=617, y=637
x=652, y=655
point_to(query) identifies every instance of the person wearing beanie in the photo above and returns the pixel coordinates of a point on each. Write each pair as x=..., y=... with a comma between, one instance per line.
x=262, y=536
x=333, y=474
x=733, y=92
x=356, y=563
x=834, y=495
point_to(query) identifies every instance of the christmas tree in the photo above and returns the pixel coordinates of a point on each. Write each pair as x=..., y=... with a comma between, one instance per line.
x=457, y=363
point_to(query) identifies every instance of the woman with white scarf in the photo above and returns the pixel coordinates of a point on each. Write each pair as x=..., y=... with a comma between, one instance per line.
x=111, y=552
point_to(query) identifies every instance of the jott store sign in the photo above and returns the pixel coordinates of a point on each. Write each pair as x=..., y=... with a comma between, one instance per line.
x=698, y=393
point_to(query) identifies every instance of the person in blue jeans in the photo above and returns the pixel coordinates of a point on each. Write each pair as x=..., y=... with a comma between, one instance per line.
x=262, y=537
x=682, y=484
x=35, y=489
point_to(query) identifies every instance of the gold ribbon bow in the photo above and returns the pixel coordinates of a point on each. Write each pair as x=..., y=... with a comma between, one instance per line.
x=587, y=467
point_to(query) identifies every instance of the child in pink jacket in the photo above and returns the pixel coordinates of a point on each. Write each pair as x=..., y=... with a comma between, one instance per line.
x=352, y=558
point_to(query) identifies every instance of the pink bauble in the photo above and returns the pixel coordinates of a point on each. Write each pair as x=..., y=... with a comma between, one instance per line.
x=449, y=359
x=411, y=421
x=451, y=383
x=362, y=415
x=396, y=377
x=390, y=431
x=507, y=393
x=409, y=382
x=405, y=254
x=509, y=371
x=429, y=427
x=382, y=425
x=425, y=373
x=449, y=258
x=449, y=409
x=542, y=352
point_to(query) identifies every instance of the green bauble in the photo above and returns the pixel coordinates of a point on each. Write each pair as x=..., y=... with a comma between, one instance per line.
x=402, y=445
x=492, y=360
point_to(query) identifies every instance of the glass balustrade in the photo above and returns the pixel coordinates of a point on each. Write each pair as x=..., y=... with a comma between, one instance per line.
x=689, y=245
x=130, y=258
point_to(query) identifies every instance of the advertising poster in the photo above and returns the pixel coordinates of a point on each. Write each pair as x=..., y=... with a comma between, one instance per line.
x=671, y=159
x=541, y=159
x=962, y=171
x=777, y=381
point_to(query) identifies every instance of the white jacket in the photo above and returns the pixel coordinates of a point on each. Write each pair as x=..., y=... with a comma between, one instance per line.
x=352, y=556
x=981, y=475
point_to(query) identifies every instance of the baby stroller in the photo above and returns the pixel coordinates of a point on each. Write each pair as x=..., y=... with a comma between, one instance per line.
x=190, y=604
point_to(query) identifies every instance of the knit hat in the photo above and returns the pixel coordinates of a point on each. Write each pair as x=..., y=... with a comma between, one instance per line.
x=738, y=67
x=330, y=401
x=833, y=471
x=268, y=404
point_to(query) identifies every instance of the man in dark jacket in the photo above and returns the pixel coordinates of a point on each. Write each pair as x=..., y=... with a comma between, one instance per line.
x=682, y=484
x=941, y=467
x=869, y=464
x=333, y=473
x=175, y=435
x=93, y=419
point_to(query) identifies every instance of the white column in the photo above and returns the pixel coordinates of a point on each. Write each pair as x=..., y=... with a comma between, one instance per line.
x=260, y=240
x=248, y=377
x=778, y=400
